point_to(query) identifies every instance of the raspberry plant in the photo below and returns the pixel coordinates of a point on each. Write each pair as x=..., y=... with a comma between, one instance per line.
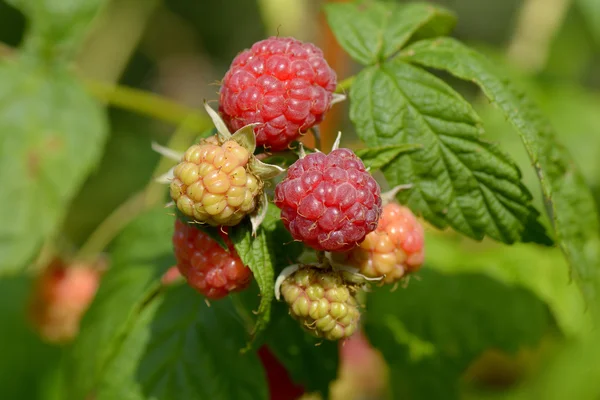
x=272, y=250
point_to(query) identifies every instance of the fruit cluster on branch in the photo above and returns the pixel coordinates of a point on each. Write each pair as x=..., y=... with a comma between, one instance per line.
x=272, y=94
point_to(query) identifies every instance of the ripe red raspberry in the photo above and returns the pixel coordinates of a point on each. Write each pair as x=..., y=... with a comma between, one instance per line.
x=214, y=184
x=322, y=301
x=329, y=202
x=281, y=386
x=207, y=267
x=394, y=249
x=61, y=296
x=281, y=83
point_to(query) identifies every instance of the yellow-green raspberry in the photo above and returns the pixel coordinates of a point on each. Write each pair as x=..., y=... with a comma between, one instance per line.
x=323, y=302
x=213, y=183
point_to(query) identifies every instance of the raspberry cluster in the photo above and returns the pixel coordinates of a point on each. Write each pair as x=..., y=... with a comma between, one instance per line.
x=281, y=83
x=272, y=93
x=207, y=267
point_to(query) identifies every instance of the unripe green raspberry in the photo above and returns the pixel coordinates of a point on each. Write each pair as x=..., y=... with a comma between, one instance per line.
x=322, y=301
x=213, y=183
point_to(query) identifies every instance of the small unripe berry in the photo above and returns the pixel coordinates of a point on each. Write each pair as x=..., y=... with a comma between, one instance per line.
x=61, y=296
x=393, y=250
x=214, y=185
x=322, y=301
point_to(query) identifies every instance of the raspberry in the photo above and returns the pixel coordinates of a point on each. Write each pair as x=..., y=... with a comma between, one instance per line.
x=329, y=202
x=281, y=83
x=322, y=302
x=213, y=184
x=207, y=267
x=363, y=371
x=281, y=386
x=394, y=249
x=171, y=276
x=61, y=296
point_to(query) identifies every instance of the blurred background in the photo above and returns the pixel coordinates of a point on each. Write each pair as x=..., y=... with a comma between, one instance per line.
x=180, y=49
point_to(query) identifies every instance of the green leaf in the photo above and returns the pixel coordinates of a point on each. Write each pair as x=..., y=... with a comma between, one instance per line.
x=374, y=31
x=26, y=361
x=569, y=201
x=431, y=331
x=140, y=256
x=590, y=10
x=285, y=249
x=458, y=179
x=212, y=231
x=538, y=269
x=310, y=362
x=271, y=249
x=51, y=136
x=256, y=254
x=57, y=27
x=379, y=157
x=181, y=348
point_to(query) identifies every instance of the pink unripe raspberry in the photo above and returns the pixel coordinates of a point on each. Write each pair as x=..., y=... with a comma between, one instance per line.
x=207, y=267
x=281, y=83
x=213, y=184
x=329, y=202
x=394, y=249
x=171, y=276
x=61, y=296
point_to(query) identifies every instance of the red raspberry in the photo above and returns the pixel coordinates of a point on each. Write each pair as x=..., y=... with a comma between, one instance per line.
x=329, y=202
x=281, y=386
x=61, y=296
x=208, y=268
x=281, y=83
x=394, y=249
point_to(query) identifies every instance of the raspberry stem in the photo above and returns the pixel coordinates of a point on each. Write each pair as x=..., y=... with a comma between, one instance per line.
x=316, y=131
x=149, y=104
x=345, y=84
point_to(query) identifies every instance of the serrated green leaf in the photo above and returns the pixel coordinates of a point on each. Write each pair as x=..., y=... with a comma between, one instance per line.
x=51, y=136
x=379, y=157
x=374, y=31
x=140, y=256
x=256, y=254
x=272, y=249
x=57, y=27
x=179, y=347
x=310, y=362
x=431, y=331
x=458, y=179
x=569, y=201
